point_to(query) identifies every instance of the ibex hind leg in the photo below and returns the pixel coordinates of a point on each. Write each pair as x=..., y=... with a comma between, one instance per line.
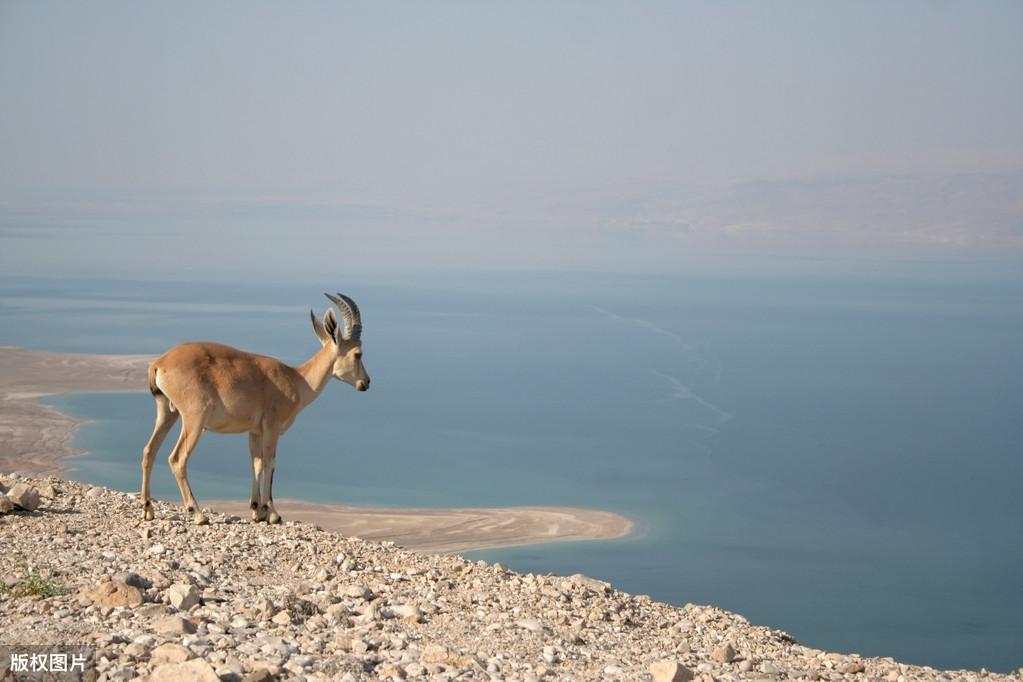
x=166, y=417
x=179, y=466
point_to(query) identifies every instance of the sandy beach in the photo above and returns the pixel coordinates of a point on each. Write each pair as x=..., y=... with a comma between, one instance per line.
x=451, y=530
x=36, y=438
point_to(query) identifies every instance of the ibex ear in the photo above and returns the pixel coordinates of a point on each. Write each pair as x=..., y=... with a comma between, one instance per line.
x=330, y=324
x=318, y=328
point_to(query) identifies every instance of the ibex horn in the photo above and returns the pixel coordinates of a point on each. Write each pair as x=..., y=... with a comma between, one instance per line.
x=350, y=313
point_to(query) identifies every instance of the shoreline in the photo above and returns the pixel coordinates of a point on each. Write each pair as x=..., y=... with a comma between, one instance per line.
x=36, y=439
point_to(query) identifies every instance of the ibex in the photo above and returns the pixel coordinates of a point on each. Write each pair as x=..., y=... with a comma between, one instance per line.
x=225, y=390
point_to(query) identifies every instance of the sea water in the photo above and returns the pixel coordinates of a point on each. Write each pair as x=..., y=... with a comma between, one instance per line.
x=835, y=456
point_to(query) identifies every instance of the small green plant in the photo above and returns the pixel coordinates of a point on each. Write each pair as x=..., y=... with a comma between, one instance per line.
x=33, y=583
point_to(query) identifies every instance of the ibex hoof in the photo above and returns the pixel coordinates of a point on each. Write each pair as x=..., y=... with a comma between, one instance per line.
x=200, y=519
x=148, y=514
x=274, y=518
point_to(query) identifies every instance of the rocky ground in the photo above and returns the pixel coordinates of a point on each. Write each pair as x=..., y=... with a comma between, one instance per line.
x=167, y=600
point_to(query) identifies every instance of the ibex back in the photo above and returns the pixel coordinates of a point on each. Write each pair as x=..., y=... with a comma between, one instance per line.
x=226, y=390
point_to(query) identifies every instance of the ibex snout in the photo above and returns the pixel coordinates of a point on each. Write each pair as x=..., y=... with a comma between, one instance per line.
x=362, y=384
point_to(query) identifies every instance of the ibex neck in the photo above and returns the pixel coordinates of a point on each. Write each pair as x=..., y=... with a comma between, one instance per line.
x=316, y=371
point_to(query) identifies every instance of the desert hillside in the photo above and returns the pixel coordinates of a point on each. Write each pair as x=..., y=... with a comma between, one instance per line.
x=167, y=600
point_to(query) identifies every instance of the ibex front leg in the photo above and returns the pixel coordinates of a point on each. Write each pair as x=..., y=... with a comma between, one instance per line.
x=269, y=463
x=165, y=419
x=256, y=453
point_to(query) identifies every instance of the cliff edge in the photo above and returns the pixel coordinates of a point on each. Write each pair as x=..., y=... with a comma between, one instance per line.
x=233, y=600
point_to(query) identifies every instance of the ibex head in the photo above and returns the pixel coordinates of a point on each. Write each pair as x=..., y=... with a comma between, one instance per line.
x=347, y=340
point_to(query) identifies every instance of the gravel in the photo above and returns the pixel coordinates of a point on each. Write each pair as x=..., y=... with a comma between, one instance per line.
x=239, y=601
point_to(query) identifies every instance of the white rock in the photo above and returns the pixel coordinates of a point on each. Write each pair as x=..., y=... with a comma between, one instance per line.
x=670, y=671
x=136, y=649
x=724, y=653
x=369, y=613
x=5, y=504
x=24, y=496
x=851, y=668
x=169, y=653
x=173, y=625
x=598, y=586
x=183, y=596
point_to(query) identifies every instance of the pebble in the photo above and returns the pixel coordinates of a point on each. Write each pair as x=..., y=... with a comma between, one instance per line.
x=24, y=496
x=173, y=625
x=357, y=592
x=851, y=668
x=113, y=593
x=670, y=671
x=195, y=670
x=724, y=653
x=183, y=596
x=169, y=653
x=530, y=624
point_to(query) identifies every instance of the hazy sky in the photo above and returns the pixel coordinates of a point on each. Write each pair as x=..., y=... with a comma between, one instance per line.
x=578, y=134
